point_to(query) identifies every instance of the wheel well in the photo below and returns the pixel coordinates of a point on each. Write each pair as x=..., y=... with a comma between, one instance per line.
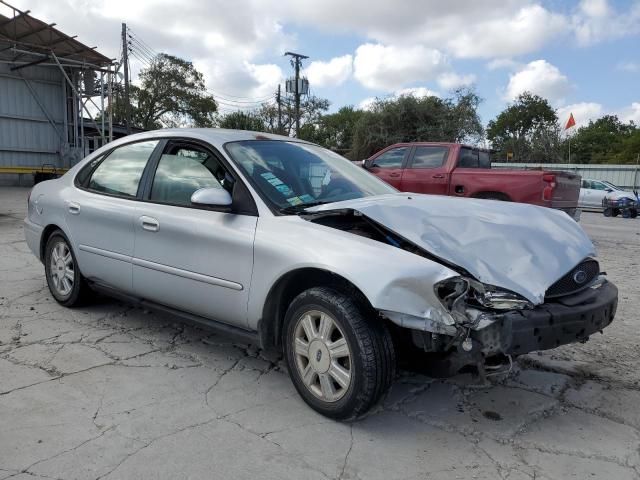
x=290, y=286
x=46, y=233
x=492, y=196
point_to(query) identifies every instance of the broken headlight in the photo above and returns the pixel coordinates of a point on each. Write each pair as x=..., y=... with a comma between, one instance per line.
x=456, y=291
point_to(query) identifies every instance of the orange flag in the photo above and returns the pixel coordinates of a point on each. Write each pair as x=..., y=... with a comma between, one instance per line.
x=570, y=123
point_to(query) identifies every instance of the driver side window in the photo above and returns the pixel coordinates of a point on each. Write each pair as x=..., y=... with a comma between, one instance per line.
x=183, y=170
x=391, y=159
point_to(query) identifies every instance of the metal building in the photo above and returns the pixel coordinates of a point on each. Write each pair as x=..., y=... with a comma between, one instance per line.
x=52, y=90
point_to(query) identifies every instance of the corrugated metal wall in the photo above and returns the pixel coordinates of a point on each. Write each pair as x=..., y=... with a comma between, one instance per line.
x=626, y=176
x=27, y=137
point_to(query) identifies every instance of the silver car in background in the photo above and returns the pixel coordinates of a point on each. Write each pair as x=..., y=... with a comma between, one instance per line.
x=593, y=192
x=294, y=248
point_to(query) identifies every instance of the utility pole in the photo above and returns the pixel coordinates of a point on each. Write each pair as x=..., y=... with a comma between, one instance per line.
x=125, y=62
x=296, y=60
x=278, y=99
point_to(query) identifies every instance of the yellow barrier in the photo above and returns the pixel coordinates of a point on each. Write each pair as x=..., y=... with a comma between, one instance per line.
x=28, y=170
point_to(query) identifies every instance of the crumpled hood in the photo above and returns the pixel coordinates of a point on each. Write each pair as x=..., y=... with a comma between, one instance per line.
x=522, y=248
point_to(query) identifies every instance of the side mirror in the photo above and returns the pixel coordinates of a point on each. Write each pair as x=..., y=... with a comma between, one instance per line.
x=211, y=197
x=367, y=164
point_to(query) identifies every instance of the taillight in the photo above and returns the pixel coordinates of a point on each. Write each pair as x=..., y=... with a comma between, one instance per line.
x=547, y=192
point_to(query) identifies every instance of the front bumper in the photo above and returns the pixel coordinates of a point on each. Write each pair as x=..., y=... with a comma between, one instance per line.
x=568, y=320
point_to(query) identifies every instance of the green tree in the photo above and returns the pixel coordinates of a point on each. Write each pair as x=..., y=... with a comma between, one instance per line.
x=311, y=110
x=528, y=129
x=171, y=93
x=602, y=141
x=334, y=131
x=242, y=121
x=410, y=119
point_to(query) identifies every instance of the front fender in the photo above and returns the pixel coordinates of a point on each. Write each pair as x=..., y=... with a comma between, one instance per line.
x=392, y=279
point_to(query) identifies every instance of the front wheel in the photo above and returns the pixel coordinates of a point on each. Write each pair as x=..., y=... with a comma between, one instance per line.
x=341, y=362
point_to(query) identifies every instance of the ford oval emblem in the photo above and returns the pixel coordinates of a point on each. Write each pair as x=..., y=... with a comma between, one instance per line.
x=580, y=277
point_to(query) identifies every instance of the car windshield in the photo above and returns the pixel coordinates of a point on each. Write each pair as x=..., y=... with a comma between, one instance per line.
x=293, y=175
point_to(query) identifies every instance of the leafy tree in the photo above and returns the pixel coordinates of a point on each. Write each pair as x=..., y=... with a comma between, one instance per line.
x=630, y=149
x=528, y=128
x=242, y=121
x=602, y=141
x=334, y=131
x=311, y=110
x=171, y=93
x=411, y=119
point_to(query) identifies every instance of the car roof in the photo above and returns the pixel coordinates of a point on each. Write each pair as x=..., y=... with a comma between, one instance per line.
x=215, y=136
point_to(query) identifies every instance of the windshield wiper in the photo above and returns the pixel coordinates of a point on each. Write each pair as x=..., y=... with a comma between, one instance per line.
x=295, y=209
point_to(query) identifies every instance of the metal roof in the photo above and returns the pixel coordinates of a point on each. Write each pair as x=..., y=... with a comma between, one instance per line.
x=34, y=41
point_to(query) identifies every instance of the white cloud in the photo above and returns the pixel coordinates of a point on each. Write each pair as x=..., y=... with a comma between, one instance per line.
x=418, y=92
x=329, y=74
x=500, y=63
x=596, y=20
x=451, y=80
x=539, y=77
x=632, y=67
x=388, y=68
x=516, y=33
x=631, y=113
x=583, y=112
x=367, y=103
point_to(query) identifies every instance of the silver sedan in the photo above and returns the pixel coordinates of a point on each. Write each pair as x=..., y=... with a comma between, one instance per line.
x=292, y=247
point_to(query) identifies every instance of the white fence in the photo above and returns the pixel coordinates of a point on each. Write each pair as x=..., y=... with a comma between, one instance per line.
x=626, y=176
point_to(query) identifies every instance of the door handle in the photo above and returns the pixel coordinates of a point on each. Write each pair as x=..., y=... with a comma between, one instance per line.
x=74, y=208
x=437, y=175
x=394, y=174
x=150, y=224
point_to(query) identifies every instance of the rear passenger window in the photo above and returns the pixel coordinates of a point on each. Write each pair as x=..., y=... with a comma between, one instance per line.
x=468, y=158
x=391, y=159
x=184, y=170
x=429, y=157
x=120, y=173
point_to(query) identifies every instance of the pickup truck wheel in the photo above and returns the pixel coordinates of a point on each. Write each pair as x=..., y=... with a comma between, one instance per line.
x=66, y=283
x=340, y=363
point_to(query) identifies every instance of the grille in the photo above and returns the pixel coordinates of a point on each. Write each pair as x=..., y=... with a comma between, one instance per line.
x=568, y=284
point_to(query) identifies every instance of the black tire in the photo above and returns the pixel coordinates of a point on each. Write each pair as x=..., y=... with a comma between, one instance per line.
x=372, y=356
x=80, y=293
x=633, y=213
x=607, y=212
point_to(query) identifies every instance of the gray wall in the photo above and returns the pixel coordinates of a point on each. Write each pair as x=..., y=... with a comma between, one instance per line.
x=27, y=137
x=626, y=176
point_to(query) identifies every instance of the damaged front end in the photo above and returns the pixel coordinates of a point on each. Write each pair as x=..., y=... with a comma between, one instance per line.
x=489, y=322
x=469, y=321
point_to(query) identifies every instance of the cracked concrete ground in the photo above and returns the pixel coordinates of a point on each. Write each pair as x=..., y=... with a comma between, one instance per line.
x=114, y=392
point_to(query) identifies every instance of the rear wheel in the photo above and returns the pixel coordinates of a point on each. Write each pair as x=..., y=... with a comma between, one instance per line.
x=66, y=283
x=340, y=363
x=633, y=213
x=607, y=212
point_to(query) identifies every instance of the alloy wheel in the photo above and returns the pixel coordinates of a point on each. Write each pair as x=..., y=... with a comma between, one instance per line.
x=322, y=356
x=62, y=268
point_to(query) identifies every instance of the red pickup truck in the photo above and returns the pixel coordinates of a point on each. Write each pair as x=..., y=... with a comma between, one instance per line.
x=464, y=171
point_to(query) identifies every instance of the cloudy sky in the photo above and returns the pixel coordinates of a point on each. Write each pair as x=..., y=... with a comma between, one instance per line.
x=583, y=55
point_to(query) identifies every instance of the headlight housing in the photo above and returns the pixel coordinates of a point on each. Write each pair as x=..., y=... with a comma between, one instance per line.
x=454, y=291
